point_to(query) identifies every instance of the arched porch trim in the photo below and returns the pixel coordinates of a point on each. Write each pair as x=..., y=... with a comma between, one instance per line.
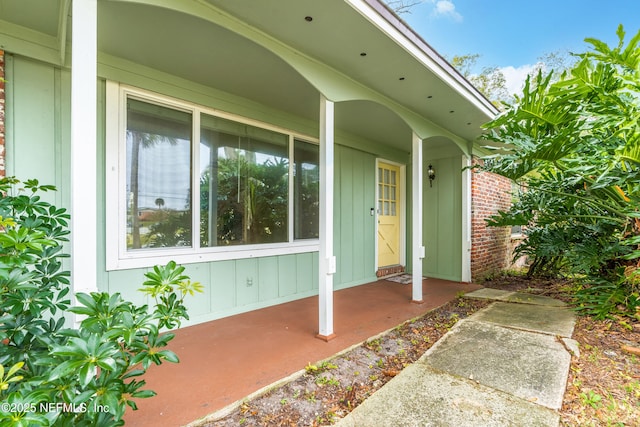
x=330, y=83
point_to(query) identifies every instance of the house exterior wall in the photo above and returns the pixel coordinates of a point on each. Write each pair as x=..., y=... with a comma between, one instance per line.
x=442, y=219
x=354, y=227
x=37, y=124
x=38, y=143
x=491, y=247
x=38, y=146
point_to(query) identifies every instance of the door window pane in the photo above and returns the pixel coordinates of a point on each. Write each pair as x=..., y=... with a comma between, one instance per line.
x=158, y=170
x=387, y=191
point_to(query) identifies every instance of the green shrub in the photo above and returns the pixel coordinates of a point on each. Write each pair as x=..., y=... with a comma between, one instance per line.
x=602, y=296
x=64, y=376
x=573, y=145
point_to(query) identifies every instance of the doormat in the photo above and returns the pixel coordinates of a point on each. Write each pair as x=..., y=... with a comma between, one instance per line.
x=405, y=279
x=388, y=271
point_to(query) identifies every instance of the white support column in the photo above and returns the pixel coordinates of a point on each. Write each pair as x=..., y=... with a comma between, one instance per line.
x=466, y=219
x=327, y=262
x=83, y=145
x=416, y=219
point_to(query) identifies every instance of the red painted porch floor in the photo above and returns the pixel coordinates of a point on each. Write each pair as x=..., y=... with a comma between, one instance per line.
x=225, y=360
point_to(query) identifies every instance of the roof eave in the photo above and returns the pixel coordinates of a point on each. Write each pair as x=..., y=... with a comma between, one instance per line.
x=406, y=37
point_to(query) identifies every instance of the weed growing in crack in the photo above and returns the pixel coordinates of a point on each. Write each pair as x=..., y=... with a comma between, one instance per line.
x=318, y=369
x=452, y=321
x=373, y=345
x=327, y=381
x=592, y=399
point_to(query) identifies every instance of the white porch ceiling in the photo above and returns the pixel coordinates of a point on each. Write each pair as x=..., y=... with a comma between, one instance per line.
x=337, y=35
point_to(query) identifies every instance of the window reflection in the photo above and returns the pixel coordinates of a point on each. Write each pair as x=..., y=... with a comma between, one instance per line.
x=306, y=190
x=158, y=176
x=243, y=184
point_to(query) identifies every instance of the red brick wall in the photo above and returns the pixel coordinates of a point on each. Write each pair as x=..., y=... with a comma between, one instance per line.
x=491, y=247
x=2, y=171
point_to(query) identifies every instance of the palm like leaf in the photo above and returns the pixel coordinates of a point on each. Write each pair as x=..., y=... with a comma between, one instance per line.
x=575, y=144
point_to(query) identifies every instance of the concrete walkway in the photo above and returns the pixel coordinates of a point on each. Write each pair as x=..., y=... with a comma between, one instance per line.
x=507, y=365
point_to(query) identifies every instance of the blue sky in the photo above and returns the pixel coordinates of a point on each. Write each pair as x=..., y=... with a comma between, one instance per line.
x=514, y=34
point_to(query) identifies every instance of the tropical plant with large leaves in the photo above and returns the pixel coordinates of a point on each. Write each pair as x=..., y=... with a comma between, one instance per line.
x=573, y=145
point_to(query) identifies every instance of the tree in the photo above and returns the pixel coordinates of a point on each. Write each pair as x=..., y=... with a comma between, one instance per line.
x=574, y=144
x=402, y=6
x=558, y=62
x=159, y=202
x=491, y=80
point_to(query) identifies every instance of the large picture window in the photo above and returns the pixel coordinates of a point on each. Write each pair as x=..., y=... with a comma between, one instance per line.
x=199, y=185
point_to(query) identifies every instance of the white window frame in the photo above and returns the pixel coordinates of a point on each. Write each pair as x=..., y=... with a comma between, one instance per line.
x=117, y=256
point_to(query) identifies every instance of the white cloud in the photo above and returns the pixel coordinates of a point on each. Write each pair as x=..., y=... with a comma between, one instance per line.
x=515, y=77
x=446, y=8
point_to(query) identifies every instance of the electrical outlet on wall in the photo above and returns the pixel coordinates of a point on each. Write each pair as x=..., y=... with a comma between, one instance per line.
x=249, y=281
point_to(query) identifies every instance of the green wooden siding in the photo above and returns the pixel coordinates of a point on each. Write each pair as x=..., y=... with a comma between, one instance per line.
x=223, y=293
x=38, y=124
x=234, y=286
x=202, y=304
x=442, y=230
x=38, y=146
x=354, y=227
x=127, y=283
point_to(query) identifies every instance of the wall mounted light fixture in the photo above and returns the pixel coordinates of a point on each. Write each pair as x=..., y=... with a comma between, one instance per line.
x=432, y=175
